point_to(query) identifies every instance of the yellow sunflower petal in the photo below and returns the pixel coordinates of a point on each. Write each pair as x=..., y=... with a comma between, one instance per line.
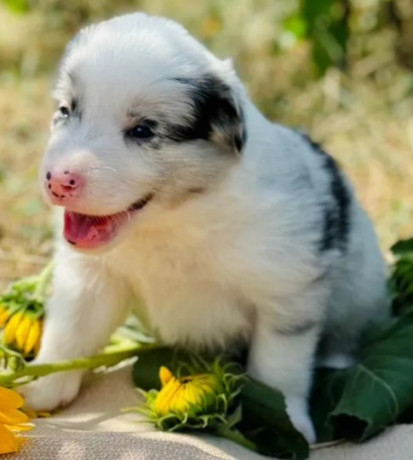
x=4, y=315
x=11, y=326
x=169, y=388
x=32, y=337
x=193, y=394
x=178, y=403
x=20, y=427
x=8, y=442
x=166, y=396
x=22, y=331
x=10, y=399
x=165, y=375
x=13, y=417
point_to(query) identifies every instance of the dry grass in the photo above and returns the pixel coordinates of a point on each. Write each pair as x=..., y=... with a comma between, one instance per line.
x=25, y=232
x=365, y=119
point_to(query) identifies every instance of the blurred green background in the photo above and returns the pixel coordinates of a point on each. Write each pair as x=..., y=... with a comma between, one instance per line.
x=340, y=69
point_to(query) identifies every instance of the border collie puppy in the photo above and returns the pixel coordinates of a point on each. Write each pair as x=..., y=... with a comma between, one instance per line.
x=177, y=191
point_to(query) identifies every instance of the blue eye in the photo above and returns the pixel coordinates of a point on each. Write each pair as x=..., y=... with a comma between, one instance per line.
x=141, y=131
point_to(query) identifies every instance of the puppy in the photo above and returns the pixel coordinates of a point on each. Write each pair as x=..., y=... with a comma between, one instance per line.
x=176, y=190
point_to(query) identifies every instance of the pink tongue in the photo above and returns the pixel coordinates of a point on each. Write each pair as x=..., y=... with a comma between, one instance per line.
x=92, y=231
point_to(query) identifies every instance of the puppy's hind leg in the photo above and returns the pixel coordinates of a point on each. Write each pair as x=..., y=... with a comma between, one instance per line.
x=336, y=360
x=86, y=306
x=337, y=349
x=347, y=319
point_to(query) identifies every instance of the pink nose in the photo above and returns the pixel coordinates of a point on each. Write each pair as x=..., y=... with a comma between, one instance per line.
x=63, y=186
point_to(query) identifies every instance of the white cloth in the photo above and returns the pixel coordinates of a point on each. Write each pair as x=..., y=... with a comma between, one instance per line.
x=95, y=428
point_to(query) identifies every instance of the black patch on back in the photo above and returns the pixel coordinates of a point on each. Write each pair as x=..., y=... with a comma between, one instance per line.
x=337, y=212
x=214, y=109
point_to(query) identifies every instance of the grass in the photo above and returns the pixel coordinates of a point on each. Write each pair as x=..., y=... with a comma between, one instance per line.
x=364, y=118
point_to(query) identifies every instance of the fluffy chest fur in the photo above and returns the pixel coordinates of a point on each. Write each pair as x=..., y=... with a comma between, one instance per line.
x=188, y=301
x=203, y=270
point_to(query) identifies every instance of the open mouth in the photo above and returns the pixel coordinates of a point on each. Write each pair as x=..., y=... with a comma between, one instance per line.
x=91, y=232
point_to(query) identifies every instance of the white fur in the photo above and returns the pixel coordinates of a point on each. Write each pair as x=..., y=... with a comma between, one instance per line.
x=238, y=262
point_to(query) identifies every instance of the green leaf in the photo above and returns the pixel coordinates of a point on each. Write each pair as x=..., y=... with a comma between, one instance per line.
x=401, y=282
x=375, y=392
x=327, y=391
x=328, y=31
x=403, y=247
x=235, y=417
x=266, y=423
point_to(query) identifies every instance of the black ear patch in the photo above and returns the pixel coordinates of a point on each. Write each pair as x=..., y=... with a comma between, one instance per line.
x=216, y=115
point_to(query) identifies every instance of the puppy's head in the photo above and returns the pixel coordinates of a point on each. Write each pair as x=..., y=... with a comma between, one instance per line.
x=145, y=118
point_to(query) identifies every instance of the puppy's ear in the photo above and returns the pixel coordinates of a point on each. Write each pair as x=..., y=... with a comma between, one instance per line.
x=217, y=114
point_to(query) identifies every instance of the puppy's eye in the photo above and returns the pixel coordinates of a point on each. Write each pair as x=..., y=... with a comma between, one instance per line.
x=64, y=111
x=141, y=131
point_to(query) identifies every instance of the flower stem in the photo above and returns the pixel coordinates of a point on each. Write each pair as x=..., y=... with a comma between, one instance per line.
x=236, y=436
x=33, y=371
x=43, y=281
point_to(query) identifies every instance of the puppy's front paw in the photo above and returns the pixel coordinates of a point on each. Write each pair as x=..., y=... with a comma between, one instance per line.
x=53, y=391
x=297, y=411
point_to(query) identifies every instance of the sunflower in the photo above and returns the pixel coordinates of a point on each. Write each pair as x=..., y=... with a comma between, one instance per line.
x=22, y=312
x=203, y=398
x=12, y=420
x=23, y=331
x=187, y=395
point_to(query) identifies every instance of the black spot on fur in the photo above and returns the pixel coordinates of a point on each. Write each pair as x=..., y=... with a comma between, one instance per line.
x=76, y=112
x=214, y=113
x=337, y=212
